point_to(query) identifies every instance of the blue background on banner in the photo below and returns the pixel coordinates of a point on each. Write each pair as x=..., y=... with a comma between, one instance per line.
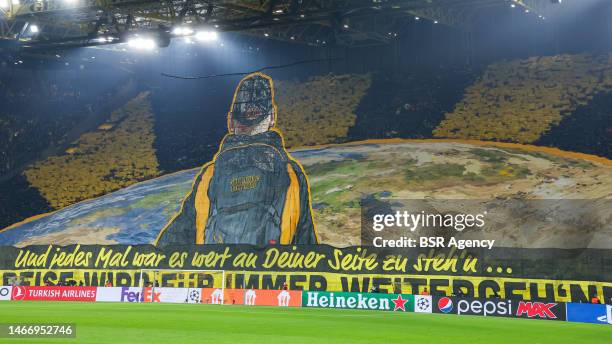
x=585, y=312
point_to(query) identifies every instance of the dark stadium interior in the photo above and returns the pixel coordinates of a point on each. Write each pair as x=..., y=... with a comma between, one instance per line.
x=63, y=104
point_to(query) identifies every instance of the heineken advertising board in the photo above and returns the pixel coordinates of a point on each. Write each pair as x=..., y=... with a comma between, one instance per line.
x=369, y=301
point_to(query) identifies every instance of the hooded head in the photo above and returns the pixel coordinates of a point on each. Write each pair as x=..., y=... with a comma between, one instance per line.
x=253, y=109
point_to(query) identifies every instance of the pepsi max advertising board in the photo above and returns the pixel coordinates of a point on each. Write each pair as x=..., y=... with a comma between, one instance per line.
x=500, y=308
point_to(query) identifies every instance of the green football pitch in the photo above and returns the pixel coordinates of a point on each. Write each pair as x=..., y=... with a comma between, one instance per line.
x=191, y=323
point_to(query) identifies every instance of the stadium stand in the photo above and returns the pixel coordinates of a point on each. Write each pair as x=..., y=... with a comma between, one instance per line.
x=28, y=127
x=320, y=110
x=587, y=130
x=520, y=100
x=409, y=105
x=118, y=154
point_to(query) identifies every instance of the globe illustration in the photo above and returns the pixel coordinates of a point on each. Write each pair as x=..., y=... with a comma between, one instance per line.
x=340, y=176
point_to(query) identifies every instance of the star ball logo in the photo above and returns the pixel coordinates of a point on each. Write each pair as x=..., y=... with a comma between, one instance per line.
x=445, y=305
x=422, y=303
x=194, y=295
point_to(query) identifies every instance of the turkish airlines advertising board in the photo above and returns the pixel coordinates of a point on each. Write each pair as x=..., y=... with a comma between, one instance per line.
x=31, y=293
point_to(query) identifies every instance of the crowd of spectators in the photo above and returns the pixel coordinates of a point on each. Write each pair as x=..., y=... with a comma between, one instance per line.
x=586, y=130
x=320, y=110
x=520, y=100
x=119, y=153
x=517, y=101
x=409, y=105
x=32, y=118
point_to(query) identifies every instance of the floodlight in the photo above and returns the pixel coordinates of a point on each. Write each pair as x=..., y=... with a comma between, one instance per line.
x=207, y=36
x=140, y=43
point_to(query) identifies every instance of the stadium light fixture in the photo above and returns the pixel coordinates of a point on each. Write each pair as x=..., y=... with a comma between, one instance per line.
x=104, y=39
x=33, y=28
x=207, y=36
x=417, y=18
x=182, y=31
x=4, y=4
x=140, y=43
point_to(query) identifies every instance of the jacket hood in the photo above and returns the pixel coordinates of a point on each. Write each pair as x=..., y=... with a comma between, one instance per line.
x=253, y=102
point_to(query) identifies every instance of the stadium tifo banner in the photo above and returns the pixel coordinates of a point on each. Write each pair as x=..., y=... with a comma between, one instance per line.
x=500, y=308
x=528, y=274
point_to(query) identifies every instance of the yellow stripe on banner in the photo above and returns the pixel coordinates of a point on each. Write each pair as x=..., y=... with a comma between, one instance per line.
x=291, y=210
x=299, y=165
x=202, y=204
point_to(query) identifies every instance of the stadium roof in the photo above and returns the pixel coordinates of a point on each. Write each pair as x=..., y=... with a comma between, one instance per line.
x=52, y=24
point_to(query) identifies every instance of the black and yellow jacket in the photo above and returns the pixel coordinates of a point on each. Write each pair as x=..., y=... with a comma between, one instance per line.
x=253, y=192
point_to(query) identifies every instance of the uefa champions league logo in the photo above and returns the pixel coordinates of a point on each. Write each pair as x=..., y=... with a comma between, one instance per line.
x=423, y=304
x=194, y=296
